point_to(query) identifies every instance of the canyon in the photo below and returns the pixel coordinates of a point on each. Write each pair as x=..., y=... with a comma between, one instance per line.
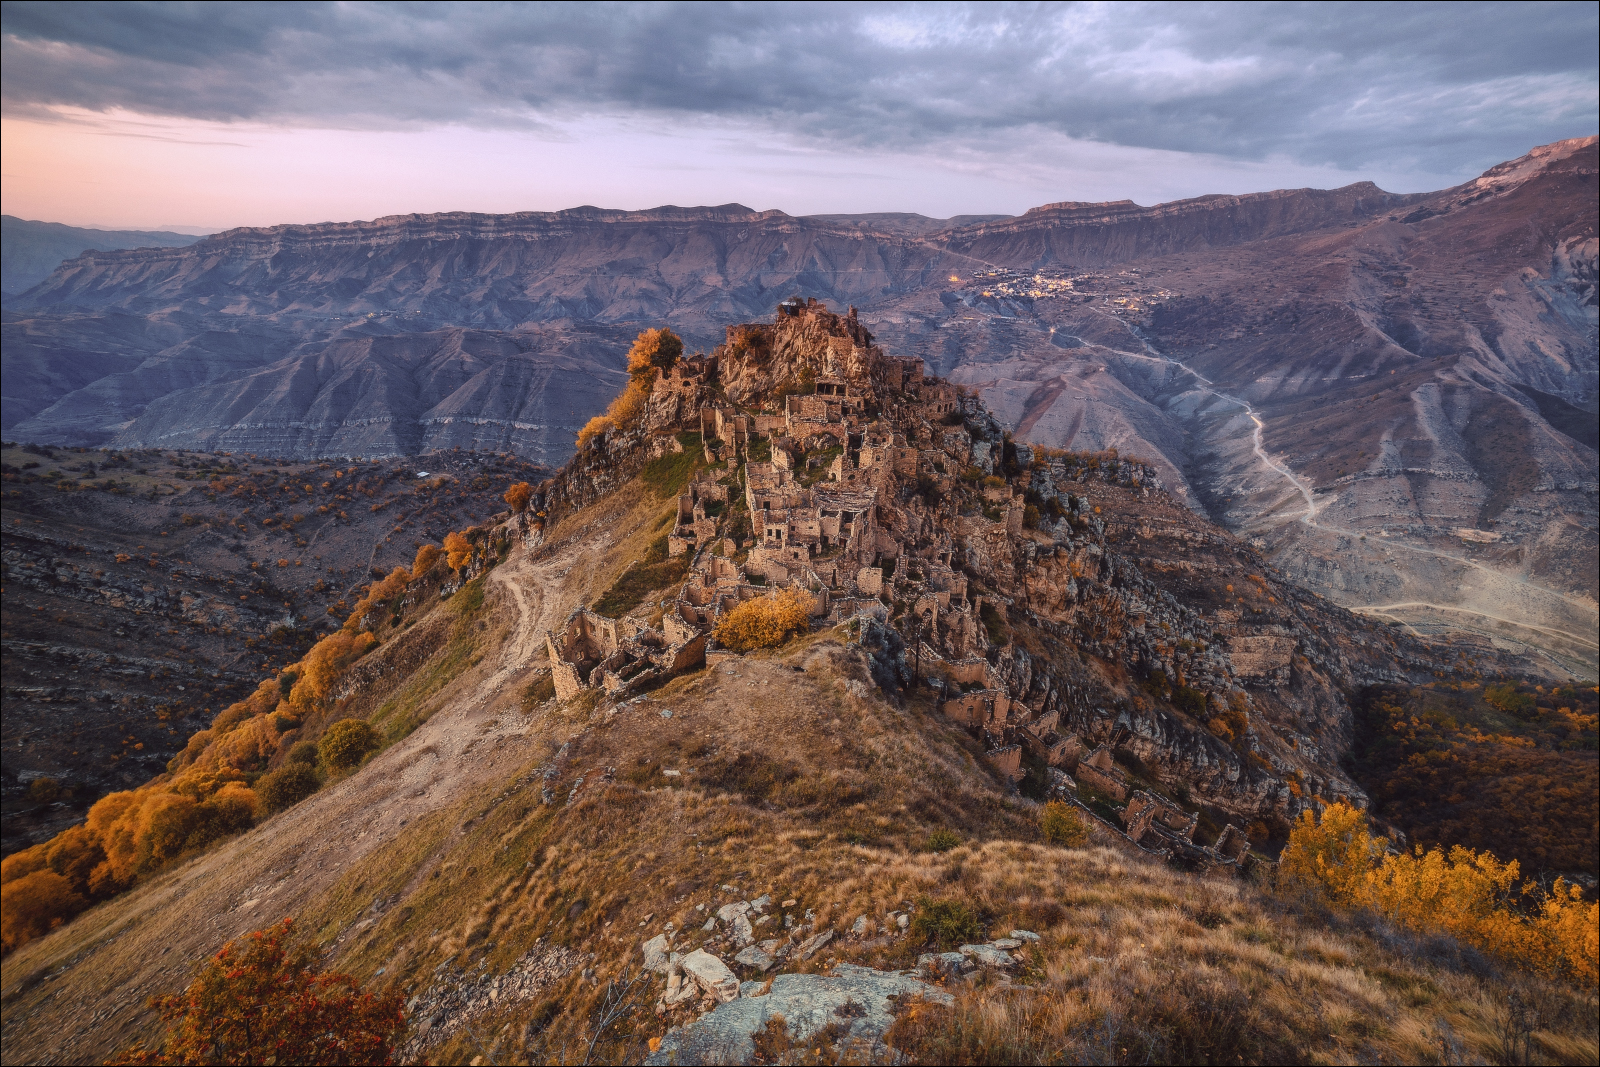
x=1393, y=397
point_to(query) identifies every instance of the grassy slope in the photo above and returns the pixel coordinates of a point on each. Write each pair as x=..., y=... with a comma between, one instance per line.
x=803, y=785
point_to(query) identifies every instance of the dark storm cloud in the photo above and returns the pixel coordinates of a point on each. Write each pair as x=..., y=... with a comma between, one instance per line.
x=1441, y=86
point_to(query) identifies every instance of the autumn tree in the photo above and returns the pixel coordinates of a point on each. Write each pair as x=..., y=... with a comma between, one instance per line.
x=346, y=743
x=33, y=904
x=459, y=550
x=598, y=426
x=653, y=351
x=519, y=496
x=427, y=556
x=261, y=1000
x=1468, y=895
x=1062, y=825
x=763, y=622
x=1331, y=856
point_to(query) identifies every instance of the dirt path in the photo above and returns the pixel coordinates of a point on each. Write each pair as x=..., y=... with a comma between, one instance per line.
x=1388, y=609
x=1512, y=584
x=77, y=995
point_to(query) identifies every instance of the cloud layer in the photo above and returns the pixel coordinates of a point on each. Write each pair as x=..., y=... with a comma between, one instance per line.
x=1440, y=88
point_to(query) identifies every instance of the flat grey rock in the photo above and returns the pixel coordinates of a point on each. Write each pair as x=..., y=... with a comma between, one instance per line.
x=988, y=956
x=807, y=1002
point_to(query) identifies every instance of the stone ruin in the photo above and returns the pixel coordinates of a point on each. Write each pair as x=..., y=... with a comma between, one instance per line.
x=1101, y=773
x=594, y=652
x=818, y=433
x=1158, y=825
x=814, y=528
x=1008, y=728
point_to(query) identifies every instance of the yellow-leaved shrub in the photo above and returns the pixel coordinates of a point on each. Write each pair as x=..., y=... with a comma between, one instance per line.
x=205, y=795
x=763, y=622
x=1468, y=895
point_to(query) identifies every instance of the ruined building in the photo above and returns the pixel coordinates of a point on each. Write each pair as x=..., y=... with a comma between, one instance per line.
x=829, y=468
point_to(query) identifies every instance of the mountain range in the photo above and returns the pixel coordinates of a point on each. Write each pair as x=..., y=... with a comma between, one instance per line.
x=30, y=250
x=1394, y=397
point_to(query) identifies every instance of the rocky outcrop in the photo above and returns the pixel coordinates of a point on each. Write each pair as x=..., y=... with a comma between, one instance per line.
x=850, y=1007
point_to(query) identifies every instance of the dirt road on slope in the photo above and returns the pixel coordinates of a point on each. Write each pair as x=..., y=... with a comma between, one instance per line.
x=77, y=995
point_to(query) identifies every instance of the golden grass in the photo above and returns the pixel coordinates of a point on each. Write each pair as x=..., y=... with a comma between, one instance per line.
x=805, y=785
x=1172, y=967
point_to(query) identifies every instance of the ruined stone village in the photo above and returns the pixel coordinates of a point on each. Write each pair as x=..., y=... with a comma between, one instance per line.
x=870, y=491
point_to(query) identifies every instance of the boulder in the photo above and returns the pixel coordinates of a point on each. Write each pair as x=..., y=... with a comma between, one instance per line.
x=988, y=956
x=656, y=954
x=737, y=916
x=752, y=956
x=680, y=989
x=812, y=945
x=856, y=997
x=1025, y=935
x=711, y=975
x=944, y=964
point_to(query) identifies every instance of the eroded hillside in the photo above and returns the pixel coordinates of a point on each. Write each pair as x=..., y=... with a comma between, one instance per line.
x=146, y=591
x=546, y=806
x=1393, y=396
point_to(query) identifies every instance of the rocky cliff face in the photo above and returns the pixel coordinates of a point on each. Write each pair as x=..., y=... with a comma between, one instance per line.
x=1069, y=584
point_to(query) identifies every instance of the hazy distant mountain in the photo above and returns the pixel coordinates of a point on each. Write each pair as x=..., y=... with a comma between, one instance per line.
x=30, y=250
x=906, y=221
x=1396, y=395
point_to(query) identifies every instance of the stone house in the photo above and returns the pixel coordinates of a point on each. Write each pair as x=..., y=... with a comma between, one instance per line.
x=592, y=651
x=1100, y=772
x=694, y=526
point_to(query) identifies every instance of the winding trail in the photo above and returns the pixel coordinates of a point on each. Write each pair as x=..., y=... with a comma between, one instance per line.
x=1308, y=517
x=102, y=965
x=1386, y=609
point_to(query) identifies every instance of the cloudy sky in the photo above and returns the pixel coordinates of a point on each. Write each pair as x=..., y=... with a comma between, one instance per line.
x=208, y=116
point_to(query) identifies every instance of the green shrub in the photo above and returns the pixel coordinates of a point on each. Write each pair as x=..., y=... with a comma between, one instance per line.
x=942, y=841
x=945, y=922
x=303, y=752
x=1062, y=825
x=346, y=743
x=287, y=786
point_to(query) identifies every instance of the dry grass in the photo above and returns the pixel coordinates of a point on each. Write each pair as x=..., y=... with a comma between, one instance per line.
x=792, y=785
x=806, y=785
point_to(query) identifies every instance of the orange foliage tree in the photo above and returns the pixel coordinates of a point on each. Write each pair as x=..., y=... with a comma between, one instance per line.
x=595, y=427
x=763, y=622
x=427, y=556
x=262, y=1001
x=652, y=351
x=205, y=795
x=34, y=903
x=519, y=496
x=458, y=550
x=1469, y=895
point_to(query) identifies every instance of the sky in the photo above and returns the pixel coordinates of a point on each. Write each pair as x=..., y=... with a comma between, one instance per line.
x=202, y=116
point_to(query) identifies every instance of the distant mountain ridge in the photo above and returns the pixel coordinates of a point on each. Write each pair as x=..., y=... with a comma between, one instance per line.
x=33, y=250
x=1309, y=367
